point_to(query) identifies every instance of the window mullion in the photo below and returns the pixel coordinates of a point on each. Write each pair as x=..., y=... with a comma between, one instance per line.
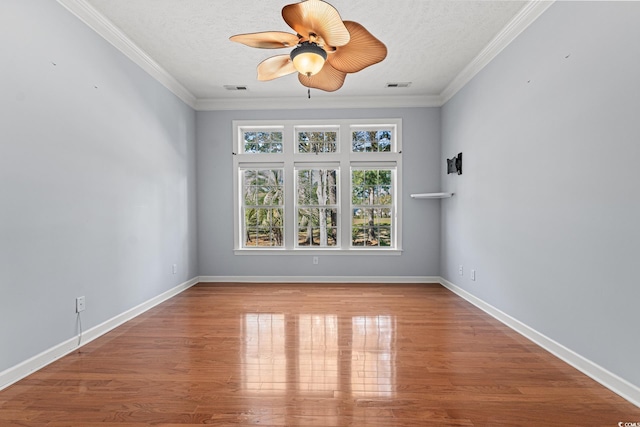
x=345, y=187
x=397, y=205
x=290, y=231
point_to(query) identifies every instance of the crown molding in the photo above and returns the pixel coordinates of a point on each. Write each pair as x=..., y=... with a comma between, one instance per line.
x=105, y=28
x=527, y=15
x=217, y=104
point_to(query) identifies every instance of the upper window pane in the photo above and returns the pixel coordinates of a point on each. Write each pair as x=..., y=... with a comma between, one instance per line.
x=266, y=141
x=317, y=141
x=365, y=140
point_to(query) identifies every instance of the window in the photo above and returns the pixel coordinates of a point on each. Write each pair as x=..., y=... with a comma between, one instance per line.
x=317, y=140
x=262, y=141
x=317, y=206
x=301, y=186
x=367, y=139
x=372, y=206
x=262, y=207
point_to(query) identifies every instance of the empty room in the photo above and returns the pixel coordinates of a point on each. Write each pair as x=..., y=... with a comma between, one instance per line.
x=279, y=213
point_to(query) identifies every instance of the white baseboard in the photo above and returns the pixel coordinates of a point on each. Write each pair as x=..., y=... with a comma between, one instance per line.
x=608, y=379
x=321, y=279
x=22, y=370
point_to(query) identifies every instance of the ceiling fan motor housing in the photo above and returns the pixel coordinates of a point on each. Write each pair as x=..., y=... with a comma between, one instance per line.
x=308, y=58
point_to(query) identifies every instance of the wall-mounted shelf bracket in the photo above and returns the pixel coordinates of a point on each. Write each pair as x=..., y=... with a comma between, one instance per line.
x=432, y=195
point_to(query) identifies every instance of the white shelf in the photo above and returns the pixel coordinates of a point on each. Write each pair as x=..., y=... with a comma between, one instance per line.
x=431, y=195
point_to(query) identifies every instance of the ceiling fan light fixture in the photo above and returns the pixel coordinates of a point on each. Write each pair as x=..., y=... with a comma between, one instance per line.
x=308, y=58
x=325, y=48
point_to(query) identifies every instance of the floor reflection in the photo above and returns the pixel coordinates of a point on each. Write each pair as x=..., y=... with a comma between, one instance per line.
x=264, y=364
x=372, y=364
x=318, y=354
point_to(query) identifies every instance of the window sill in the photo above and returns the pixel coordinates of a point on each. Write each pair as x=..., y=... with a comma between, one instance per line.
x=324, y=252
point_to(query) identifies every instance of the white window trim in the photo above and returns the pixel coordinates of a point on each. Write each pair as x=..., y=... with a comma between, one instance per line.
x=291, y=159
x=337, y=206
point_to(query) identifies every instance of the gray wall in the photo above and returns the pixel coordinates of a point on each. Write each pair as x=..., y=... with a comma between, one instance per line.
x=548, y=206
x=421, y=218
x=97, y=185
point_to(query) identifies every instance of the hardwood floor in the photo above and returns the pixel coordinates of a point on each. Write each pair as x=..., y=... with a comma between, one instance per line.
x=312, y=355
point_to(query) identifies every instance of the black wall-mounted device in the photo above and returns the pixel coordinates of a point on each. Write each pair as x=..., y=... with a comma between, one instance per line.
x=454, y=164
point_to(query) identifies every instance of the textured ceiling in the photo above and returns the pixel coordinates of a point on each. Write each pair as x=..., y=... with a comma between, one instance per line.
x=429, y=42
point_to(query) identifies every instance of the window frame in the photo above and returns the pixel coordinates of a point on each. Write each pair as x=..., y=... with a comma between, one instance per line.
x=371, y=166
x=344, y=159
x=337, y=206
x=244, y=206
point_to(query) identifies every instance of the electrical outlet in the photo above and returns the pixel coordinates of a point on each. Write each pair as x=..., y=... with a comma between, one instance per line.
x=80, y=305
x=460, y=270
x=174, y=268
x=473, y=275
x=315, y=260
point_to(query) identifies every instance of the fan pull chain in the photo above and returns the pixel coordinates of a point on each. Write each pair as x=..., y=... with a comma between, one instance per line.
x=309, y=87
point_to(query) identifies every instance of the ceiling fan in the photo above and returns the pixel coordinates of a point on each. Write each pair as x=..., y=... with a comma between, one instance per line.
x=327, y=48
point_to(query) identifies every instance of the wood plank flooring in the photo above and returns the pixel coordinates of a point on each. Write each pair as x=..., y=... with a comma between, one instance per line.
x=312, y=355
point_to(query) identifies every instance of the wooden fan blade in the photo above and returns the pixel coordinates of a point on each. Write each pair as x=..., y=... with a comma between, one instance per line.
x=316, y=17
x=266, y=40
x=362, y=50
x=328, y=79
x=274, y=67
